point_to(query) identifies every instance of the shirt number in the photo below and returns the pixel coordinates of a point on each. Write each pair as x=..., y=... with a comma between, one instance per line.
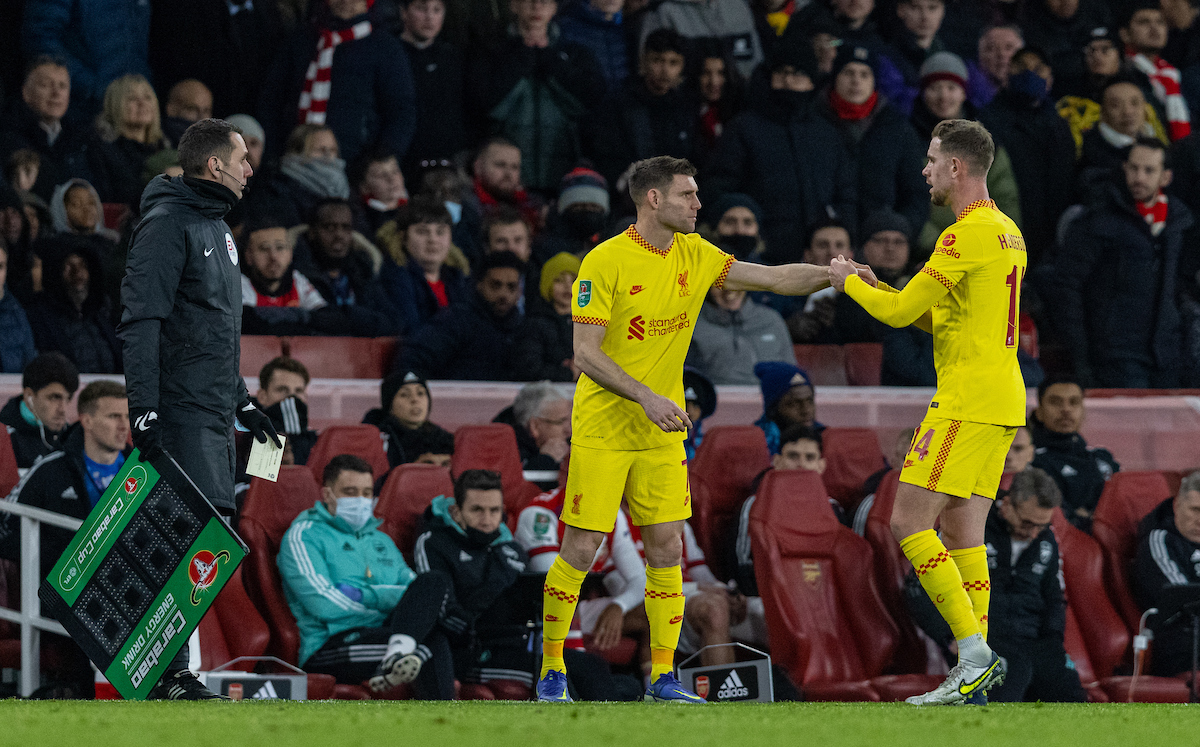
x=1013, y=281
x=921, y=446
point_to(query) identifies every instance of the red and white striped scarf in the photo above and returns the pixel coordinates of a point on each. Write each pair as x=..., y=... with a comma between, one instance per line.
x=1155, y=213
x=1164, y=79
x=315, y=97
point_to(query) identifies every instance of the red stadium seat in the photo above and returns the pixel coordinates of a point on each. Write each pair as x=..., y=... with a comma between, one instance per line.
x=827, y=625
x=268, y=511
x=1127, y=498
x=825, y=364
x=891, y=568
x=360, y=440
x=864, y=363
x=257, y=350
x=722, y=475
x=493, y=446
x=232, y=628
x=9, y=477
x=114, y=213
x=1076, y=649
x=1099, y=627
x=341, y=357
x=851, y=456
x=406, y=494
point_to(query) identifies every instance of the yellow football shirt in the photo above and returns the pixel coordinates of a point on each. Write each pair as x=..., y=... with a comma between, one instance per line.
x=648, y=300
x=973, y=282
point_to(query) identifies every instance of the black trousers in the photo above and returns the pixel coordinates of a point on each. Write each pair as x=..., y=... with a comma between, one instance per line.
x=1038, y=669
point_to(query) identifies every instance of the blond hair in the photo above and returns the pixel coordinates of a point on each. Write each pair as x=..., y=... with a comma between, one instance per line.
x=113, y=114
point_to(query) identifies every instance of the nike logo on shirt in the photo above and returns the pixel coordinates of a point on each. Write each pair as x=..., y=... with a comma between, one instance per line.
x=635, y=290
x=209, y=250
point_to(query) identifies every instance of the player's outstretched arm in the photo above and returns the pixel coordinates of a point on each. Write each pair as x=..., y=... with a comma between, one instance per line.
x=786, y=280
x=909, y=306
x=603, y=370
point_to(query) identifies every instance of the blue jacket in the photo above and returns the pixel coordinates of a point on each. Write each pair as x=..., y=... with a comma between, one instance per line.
x=582, y=24
x=16, y=337
x=320, y=551
x=411, y=295
x=372, y=99
x=101, y=40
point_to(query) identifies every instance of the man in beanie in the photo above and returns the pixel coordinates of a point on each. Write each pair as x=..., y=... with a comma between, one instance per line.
x=580, y=216
x=700, y=402
x=785, y=157
x=1061, y=28
x=788, y=399
x=654, y=114
x=884, y=150
x=403, y=419
x=737, y=220
x=544, y=350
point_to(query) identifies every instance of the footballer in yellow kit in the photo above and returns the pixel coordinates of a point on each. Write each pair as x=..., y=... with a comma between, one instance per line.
x=648, y=301
x=635, y=306
x=968, y=297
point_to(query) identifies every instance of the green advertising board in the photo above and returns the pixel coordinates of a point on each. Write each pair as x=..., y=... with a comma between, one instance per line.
x=141, y=572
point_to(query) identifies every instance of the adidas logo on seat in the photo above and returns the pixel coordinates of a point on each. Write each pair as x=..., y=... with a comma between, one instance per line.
x=732, y=687
x=265, y=692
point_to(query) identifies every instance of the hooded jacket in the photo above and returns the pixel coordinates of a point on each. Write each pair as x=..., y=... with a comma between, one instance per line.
x=86, y=334
x=319, y=551
x=181, y=320
x=1079, y=471
x=728, y=344
x=28, y=441
x=482, y=569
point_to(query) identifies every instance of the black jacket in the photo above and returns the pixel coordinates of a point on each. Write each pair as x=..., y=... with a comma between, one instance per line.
x=1027, y=599
x=181, y=317
x=439, y=74
x=792, y=162
x=464, y=342
x=638, y=125
x=1116, y=287
x=28, y=441
x=1079, y=471
x=1165, y=558
x=73, y=153
x=545, y=342
x=371, y=314
x=405, y=445
x=481, y=572
x=1042, y=151
x=887, y=159
x=56, y=483
x=85, y=335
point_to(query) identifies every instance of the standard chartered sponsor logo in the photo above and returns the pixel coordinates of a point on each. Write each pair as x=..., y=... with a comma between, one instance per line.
x=659, y=327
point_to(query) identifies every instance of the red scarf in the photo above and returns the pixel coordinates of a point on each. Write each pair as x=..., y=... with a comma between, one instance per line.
x=520, y=200
x=852, y=112
x=315, y=97
x=1165, y=82
x=1155, y=213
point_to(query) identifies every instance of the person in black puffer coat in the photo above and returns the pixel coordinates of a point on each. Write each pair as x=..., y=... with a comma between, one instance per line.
x=545, y=350
x=403, y=419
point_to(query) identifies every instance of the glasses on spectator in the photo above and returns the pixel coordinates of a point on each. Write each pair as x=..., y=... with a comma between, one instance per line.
x=1031, y=526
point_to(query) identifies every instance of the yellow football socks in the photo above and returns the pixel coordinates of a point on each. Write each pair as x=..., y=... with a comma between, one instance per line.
x=664, y=609
x=939, y=576
x=560, y=595
x=973, y=567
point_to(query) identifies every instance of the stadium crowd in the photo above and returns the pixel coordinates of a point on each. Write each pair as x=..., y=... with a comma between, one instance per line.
x=435, y=171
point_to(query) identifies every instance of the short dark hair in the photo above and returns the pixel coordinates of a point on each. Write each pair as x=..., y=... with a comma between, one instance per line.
x=665, y=40
x=475, y=479
x=261, y=222
x=282, y=363
x=43, y=60
x=423, y=209
x=357, y=170
x=202, y=140
x=343, y=463
x=92, y=393
x=822, y=225
x=794, y=433
x=326, y=203
x=492, y=260
x=1050, y=381
x=656, y=173
x=494, y=140
x=51, y=368
x=1130, y=9
x=503, y=215
x=1030, y=49
x=1153, y=143
x=1033, y=483
x=968, y=141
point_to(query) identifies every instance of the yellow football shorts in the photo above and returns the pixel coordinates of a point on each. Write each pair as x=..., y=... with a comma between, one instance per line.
x=957, y=458
x=654, y=482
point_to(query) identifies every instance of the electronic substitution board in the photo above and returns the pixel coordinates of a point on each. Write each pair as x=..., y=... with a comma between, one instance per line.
x=141, y=572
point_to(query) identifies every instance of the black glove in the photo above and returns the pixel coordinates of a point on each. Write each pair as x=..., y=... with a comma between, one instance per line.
x=257, y=422
x=146, y=430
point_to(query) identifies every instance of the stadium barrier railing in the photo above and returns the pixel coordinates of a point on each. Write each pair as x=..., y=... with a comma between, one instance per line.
x=29, y=617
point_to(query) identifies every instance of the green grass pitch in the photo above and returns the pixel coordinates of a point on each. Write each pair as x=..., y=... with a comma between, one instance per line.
x=499, y=724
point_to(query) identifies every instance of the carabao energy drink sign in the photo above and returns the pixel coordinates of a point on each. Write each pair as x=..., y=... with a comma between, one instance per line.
x=141, y=572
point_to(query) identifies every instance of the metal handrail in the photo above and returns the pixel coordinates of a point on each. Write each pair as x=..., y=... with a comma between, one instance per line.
x=29, y=618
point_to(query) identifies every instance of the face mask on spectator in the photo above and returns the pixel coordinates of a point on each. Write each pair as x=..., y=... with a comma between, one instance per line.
x=738, y=245
x=455, y=210
x=356, y=511
x=584, y=224
x=1028, y=84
